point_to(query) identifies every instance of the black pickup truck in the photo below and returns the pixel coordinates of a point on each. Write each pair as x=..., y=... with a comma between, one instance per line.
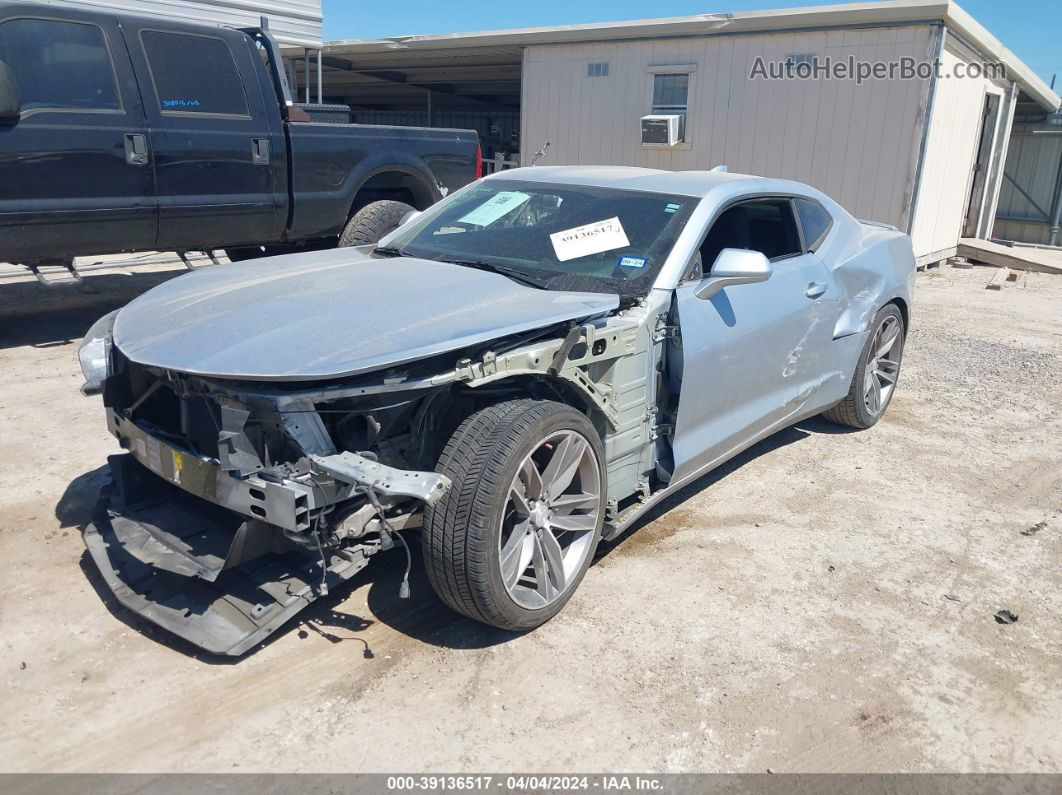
x=123, y=133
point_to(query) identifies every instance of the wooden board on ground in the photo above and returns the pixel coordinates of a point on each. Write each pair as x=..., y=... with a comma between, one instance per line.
x=999, y=278
x=1016, y=257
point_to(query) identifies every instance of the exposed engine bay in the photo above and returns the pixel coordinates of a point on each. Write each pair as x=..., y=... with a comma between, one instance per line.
x=316, y=478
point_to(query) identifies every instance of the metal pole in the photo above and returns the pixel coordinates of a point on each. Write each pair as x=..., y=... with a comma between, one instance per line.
x=306, y=73
x=1056, y=221
x=320, y=80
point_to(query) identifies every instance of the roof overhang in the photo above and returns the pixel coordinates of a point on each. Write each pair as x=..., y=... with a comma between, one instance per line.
x=992, y=48
x=780, y=21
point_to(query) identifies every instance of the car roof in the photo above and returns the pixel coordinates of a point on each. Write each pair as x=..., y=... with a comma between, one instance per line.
x=685, y=183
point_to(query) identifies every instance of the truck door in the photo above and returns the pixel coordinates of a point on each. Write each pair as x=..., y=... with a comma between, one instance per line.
x=210, y=135
x=75, y=174
x=753, y=355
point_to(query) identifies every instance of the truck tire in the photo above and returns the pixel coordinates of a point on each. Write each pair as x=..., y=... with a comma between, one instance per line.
x=373, y=221
x=876, y=373
x=514, y=535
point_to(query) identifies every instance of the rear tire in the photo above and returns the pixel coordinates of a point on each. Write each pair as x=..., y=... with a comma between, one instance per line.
x=373, y=221
x=513, y=537
x=871, y=390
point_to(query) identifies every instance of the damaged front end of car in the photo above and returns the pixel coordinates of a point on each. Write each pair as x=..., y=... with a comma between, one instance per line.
x=236, y=505
x=274, y=444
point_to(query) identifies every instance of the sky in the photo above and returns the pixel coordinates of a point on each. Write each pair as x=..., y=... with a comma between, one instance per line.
x=1030, y=28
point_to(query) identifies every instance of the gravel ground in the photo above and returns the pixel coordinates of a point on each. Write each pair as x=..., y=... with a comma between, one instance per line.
x=823, y=603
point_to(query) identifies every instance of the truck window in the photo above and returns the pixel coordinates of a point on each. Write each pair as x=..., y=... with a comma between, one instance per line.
x=59, y=65
x=194, y=74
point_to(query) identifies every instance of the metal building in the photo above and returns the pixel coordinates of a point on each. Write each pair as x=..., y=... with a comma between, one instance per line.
x=1030, y=198
x=923, y=152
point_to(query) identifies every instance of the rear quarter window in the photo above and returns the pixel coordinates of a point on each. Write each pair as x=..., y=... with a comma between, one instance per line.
x=194, y=74
x=815, y=221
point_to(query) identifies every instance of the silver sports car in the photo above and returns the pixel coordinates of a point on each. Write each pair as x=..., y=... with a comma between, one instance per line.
x=520, y=372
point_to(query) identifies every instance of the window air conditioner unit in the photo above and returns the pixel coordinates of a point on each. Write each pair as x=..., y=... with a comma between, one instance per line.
x=663, y=129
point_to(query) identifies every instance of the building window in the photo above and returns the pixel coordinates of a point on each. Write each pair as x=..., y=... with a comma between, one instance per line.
x=670, y=93
x=194, y=74
x=59, y=65
x=599, y=69
x=799, y=59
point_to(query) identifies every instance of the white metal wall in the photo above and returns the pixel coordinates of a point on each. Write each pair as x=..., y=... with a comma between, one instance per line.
x=292, y=22
x=954, y=136
x=858, y=143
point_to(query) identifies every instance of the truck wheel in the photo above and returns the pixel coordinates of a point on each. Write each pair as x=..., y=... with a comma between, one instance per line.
x=876, y=373
x=373, y=221
x=515, y=534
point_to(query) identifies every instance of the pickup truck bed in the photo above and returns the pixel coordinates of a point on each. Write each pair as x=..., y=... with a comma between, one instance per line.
x=124, y=133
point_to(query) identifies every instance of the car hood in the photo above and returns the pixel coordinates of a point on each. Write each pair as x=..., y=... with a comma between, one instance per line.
x=328, y=314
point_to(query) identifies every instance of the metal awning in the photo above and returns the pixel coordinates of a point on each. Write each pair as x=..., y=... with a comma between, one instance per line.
x=850, y=15
x=486, y=77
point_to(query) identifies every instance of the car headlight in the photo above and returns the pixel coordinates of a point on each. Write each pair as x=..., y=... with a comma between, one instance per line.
x=95, y=354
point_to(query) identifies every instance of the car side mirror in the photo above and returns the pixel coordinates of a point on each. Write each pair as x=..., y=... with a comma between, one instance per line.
x=734, y=266
x=408, y=217
x=10, y=104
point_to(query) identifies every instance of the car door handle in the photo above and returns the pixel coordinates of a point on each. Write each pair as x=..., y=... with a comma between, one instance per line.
x=136, y=149
x=260, y=151
x=816, y=289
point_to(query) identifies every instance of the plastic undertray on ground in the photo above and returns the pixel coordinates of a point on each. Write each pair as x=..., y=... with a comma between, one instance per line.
x=165, y=559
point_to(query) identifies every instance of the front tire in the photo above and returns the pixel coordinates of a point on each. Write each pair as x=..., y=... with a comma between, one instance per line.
x=512, y=539
x=373, y=221
x=876, y=374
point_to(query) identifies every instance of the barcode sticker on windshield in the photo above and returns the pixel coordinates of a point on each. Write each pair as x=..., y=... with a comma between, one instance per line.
x=582, y=241
x=495, y=207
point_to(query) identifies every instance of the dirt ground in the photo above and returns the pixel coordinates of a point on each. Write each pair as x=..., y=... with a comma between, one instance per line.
x=823, y=603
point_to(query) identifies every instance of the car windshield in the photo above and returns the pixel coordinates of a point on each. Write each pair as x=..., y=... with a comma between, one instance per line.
x=557, y=237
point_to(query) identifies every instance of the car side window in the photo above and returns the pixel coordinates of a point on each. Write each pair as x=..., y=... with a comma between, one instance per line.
x=815, y=221
x=194, y=74
x=59, y=65
x=765, y=225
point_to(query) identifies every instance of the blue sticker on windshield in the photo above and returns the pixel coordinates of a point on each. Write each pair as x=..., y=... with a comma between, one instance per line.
x=671, y=208
x=632, y=262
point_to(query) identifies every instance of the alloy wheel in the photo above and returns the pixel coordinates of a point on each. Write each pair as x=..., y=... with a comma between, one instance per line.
x=551, y=515
x=883, y=367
